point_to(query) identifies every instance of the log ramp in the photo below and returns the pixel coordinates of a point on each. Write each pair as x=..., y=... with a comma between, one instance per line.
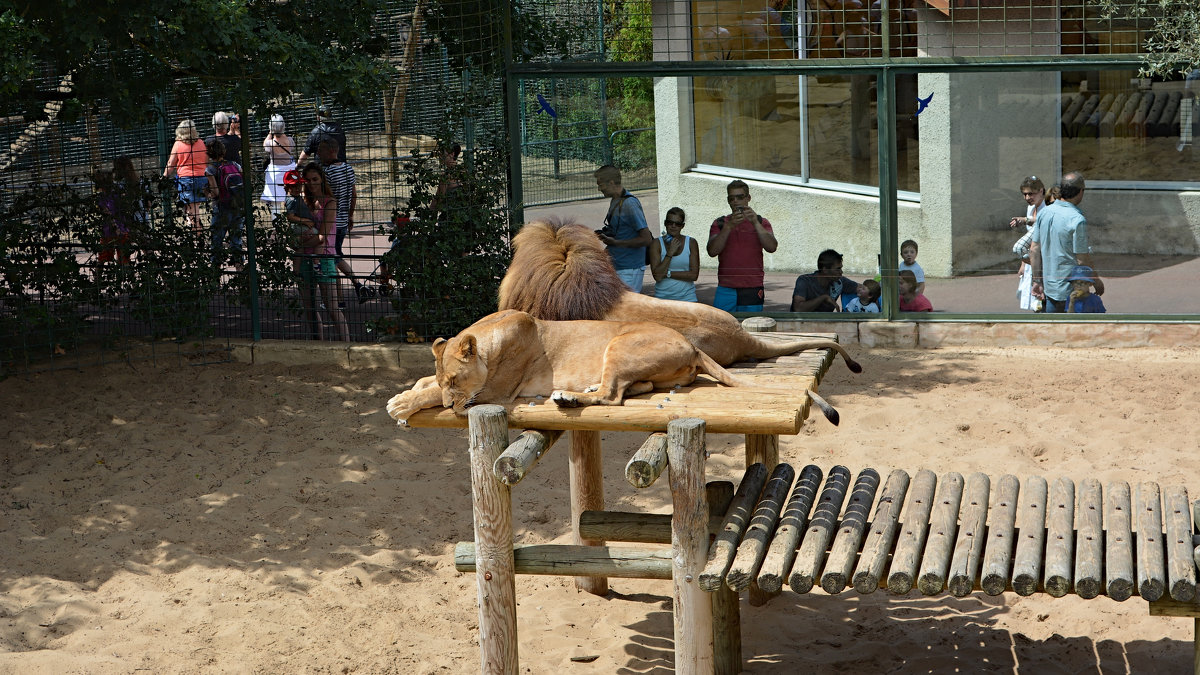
x=802, y=530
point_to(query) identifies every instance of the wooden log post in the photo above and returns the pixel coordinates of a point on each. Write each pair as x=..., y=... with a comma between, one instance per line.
x=903, y=573
x=1181, y=570
x=1031, y=519
x=727, y=613
x=851, y=530
x=811, y=556
x=1060, y=537
x=523, y=454
x=491, y=506
x=761, y=449
x=943, y=527
x=1151, y=563
x=693, y=620
x=1118, y=539
x=753, y=548
x=737, y=518
x=648, y=462
x=997, y=558
x=782, y=551
x=1089, y=542
x=968, y=550
x=883, y=533
x=587, y=493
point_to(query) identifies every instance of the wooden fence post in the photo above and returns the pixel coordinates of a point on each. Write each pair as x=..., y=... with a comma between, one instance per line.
x=586, y=469
x=689, y=545
x=491, y=506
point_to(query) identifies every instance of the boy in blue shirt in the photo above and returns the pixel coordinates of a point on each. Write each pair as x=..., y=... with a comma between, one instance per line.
x=1083, y=300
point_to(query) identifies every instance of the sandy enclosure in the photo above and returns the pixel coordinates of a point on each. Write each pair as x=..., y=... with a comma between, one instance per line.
x=272, y=519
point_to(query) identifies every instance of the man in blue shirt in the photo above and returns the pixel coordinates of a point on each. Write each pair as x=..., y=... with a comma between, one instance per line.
x=1060, y=243
x=625, y=232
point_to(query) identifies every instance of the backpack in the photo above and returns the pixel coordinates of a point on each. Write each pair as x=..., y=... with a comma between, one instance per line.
x=229, y=185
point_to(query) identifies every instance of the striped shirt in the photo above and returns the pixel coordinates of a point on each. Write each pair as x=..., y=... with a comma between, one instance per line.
x=341, y=183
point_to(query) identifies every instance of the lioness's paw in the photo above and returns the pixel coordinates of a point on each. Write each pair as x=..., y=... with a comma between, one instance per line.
x=564, y=400
x=400, y=407
x=593, y=388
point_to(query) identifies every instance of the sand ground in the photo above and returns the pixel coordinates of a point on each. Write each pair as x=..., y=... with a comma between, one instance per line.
x=272, y=519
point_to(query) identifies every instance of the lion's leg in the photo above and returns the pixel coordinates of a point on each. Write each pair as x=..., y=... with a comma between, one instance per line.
x=424, y=394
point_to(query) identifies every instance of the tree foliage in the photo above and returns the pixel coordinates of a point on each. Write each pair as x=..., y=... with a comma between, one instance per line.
x=120, y=54
x=1173, y=44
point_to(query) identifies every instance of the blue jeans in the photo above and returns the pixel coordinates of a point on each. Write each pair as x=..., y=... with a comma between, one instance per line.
x=1054, y=306
x=726, y=299
x=633, y=278
x=227, y=220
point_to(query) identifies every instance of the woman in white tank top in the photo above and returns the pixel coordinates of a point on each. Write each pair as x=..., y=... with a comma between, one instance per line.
x=675, y=260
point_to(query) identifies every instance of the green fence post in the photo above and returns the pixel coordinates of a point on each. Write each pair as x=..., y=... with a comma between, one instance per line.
x=885, y=115
x=248, y=225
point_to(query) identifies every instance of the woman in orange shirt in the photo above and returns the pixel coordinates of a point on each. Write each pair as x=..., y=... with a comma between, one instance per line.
x=187, y=162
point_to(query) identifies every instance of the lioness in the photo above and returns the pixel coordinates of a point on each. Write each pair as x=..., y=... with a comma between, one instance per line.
x=510, y=354
x=561, y=272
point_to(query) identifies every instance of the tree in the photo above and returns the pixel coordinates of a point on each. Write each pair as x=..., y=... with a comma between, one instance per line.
x=120, y=54
x=1173, y=44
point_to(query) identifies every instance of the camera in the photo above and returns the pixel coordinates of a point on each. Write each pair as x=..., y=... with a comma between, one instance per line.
x=606, y=231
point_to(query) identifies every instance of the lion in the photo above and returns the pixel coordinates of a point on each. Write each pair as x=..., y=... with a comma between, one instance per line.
x=510, y=354
x=561, y=272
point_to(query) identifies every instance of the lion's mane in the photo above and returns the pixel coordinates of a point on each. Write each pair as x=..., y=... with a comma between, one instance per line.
x=560, y=272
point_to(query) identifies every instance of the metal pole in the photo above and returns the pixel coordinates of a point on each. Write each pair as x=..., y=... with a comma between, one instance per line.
x=885, y=111
x=512, y=103
x=248, y=223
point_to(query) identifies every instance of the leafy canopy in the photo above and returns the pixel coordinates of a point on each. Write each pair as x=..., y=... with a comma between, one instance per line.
x=122, y=53
x=1173, y=44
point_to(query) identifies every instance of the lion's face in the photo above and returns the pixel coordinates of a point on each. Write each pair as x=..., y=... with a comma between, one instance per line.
x=461, y=374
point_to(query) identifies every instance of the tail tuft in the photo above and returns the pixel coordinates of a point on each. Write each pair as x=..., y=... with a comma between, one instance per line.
x=853, y=366
x=829, y=411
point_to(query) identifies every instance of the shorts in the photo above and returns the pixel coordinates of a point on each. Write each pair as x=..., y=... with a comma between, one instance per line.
x=191, y=188
x=326, y=270
x=633, y=278
x=728, y=299
x=308, y=276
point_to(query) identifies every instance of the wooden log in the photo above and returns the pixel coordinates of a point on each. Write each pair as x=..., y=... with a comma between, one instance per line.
x=693, y=621
x=1151, y=554
x=648, y=462
x=1060, y=538
x=943, y=529
x=1118, y=553
x=1181, y=570
x=782, y=551
x=1137, y=128
x=1031, y=517
x=997, y=559
x=883, y=532
x=521, y=456
x=1090, y=540
x=587, y=493
x=912, y=535
x=651, y=528
x=753, y=549
x=626, y=562
x=964, y=564
x=722, y=551
x=820, y=531
x=1169, y=607
x=730, y=419
x=759, y=324
x=491, y=506
x=851, y=530
x=727, y=613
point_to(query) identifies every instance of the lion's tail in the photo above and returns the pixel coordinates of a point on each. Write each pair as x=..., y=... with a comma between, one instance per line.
x=717, y=371
x=766, y=349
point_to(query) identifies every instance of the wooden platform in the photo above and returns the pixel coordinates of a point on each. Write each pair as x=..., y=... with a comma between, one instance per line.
x=774, y=403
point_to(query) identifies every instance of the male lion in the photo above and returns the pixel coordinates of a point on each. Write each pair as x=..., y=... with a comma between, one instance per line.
x=510, y=354
x=561, y=272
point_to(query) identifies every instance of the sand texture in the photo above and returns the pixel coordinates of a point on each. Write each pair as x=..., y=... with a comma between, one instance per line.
x=272, y=519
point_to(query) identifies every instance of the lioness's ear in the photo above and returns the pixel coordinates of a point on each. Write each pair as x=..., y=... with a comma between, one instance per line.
x=466, y=346
x=439, y=346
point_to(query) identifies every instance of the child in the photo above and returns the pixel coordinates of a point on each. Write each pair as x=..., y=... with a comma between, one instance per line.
x=1082, y=300
x=296, y=211
x=910, y=300
x=908, y=253
x=868, y=297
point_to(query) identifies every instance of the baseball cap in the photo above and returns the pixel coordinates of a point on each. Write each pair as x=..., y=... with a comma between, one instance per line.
x=1081, y=273
x=293, y=177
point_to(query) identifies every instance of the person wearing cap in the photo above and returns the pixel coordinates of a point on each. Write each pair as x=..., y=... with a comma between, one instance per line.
x=1082, y=300
x=307, y=237
x=327, y=128
x=1060, y=242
